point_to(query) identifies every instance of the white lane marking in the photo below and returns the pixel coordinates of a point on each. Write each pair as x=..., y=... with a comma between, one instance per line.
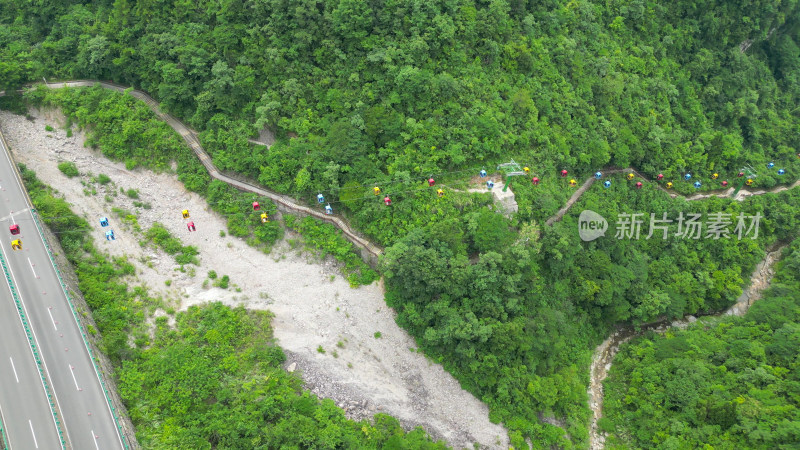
x=26, y=199
x=34, y=272
x=35, y=340
x=51, y=318
x=95, y=440
x=72, y=371
x=11, y=215
x=34, y=434
x=14, y=369
x=78, y=325
x=13, y=170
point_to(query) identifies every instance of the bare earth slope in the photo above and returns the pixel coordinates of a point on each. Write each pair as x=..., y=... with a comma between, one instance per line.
x=313, y=306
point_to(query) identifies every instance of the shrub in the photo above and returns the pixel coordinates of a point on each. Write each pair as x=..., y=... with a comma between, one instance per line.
x=328, y=240
x=68, y=168
x=163, y=239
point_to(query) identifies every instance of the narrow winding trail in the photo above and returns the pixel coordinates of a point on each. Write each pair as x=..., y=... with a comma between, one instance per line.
x=369, y=250
x=603, y=354
x=721, y=193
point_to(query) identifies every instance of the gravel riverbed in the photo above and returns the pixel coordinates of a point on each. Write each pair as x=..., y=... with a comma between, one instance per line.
x=313, y=304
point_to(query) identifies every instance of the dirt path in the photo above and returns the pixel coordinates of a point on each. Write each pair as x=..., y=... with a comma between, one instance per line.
x=722, y=193
x=605, y=352
x=313, y=305
x=369, y=250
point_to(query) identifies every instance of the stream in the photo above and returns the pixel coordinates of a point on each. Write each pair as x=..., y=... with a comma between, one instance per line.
x=605, y=352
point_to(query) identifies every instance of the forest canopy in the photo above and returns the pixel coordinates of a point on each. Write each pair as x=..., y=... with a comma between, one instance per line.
x=390, y=92
x=731, y=383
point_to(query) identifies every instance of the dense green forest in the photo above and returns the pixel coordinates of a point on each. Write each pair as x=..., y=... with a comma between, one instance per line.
x=214, y=380
x=387, y=93
x=392, y=91
x=516, y=324
x=514, y=312
x=730, y=383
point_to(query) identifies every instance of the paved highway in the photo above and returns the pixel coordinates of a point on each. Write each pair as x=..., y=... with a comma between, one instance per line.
x=24, y=408
x=86, y=414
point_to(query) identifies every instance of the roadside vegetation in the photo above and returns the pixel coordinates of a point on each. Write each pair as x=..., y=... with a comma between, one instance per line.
x=325, y=239
x=364, y=94
x=214, y=379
